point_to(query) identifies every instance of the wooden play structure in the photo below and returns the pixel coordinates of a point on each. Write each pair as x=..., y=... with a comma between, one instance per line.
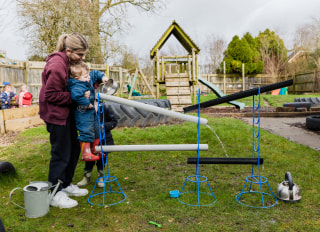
x=134, y=76
x=178, y=73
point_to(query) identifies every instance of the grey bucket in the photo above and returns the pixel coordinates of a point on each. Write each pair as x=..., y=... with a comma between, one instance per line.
x=36, y=198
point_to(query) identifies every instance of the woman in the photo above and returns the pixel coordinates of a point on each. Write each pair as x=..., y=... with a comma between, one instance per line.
x=55, y=108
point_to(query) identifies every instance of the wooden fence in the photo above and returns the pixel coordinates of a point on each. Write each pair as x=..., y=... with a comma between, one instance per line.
x=305, y=83
x=29, y=73
x=232, y=83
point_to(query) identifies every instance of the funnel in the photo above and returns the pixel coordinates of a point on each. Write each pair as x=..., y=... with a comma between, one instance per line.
x=110, y=87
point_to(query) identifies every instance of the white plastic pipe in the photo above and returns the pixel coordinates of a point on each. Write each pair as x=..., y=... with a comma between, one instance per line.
x=156, y=147
x=152, y=108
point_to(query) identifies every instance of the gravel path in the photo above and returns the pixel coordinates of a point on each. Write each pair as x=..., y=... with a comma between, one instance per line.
x=8, y=138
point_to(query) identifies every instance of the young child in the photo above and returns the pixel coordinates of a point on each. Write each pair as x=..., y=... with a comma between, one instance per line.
x=86, y=118
x=6, y=96
x=110, y=122
x=24, y=99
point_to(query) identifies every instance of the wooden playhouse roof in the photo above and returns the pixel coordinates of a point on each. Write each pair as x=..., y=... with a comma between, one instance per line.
x=180, y=35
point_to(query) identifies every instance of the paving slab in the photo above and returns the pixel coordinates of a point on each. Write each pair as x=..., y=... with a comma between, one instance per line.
x=292, y=128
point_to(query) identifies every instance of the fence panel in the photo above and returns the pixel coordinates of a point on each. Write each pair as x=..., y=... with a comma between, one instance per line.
x=12, y=72
x=33, y=72
x=305, y=83
x=233, y=83
x=29, y=73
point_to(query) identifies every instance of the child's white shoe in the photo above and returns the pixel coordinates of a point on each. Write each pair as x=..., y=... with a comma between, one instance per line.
x=86, y=179
x=100, y=180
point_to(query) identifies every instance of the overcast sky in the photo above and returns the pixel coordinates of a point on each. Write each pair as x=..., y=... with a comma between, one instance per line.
x=198, y=18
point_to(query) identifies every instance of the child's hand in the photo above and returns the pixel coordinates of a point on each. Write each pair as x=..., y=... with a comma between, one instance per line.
x=104, y=79
x=96, y=106
x=90, y=106
x=87, y=94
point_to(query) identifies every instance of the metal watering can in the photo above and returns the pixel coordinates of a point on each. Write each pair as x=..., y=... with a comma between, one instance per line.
x=287, y=190
x=36, y=198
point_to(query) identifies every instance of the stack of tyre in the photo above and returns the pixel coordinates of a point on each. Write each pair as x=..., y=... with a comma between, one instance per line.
x=129, y=116
x=312, y=121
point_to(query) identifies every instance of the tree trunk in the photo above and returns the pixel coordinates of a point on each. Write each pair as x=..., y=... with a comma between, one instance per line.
x=95, y=48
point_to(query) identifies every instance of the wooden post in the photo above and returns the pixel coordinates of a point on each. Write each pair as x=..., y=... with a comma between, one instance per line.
x=120, y=76
x=224, y=77
x=157, y=90
x=243, y=87
x=26, y=71
x=189, y=67
x=121, y=89
x=294, y=83
x=194, y=93
x=133, y=84
x=157, y=67
x=107, y=71
x=193, y=65
x=2, y=125
x=146, y=82
x=314, y=80
x=197, y=68
x=162, y=68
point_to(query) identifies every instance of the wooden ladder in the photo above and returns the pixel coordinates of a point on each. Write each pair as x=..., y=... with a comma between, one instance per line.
x=178, y=90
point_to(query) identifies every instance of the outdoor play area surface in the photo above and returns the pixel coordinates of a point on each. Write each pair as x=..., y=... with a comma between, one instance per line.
x=292, y=128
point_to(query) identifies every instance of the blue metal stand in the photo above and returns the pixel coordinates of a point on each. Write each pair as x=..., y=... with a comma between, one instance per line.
x=267, y=199
x=192, y=197
x=111, y=184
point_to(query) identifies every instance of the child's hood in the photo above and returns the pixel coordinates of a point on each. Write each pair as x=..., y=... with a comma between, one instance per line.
x=73, y=81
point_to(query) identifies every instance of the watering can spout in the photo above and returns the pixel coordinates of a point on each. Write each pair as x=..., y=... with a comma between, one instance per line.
x=55, y=190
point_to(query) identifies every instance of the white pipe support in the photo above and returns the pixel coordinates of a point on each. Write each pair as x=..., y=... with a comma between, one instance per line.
x=156, y=147
x=152, y=108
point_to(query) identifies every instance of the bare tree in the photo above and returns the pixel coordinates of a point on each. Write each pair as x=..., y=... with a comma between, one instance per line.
x=307, y=46
x=302, y=38
x=98, y=20
x=212, y=51
x=44, y=21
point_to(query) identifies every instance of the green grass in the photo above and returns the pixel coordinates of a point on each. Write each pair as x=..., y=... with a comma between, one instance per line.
x=266, y=99
x=279, y=100
x=147, y=178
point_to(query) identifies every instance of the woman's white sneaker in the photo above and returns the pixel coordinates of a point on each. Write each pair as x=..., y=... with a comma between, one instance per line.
x=62, y=200
x=74, y=190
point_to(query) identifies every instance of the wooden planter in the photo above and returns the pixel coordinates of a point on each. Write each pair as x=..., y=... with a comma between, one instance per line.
x=19, y=118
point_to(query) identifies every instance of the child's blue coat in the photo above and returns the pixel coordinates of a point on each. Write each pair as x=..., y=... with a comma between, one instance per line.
x=86, y=119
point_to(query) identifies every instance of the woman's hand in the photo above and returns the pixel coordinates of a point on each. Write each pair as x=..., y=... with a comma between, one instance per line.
x=87, y=94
